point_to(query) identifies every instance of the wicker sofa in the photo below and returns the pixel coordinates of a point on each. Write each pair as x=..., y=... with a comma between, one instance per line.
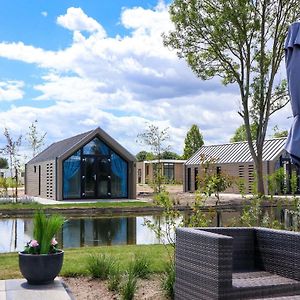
x=236, y=263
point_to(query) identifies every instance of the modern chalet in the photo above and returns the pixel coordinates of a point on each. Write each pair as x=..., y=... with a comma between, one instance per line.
x=91, y=165
x=234, y=159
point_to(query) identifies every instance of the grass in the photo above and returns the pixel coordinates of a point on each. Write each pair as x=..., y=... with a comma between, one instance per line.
x=121, y=204
x=75, y=259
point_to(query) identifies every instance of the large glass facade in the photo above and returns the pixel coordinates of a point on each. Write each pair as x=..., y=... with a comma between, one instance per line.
x=95, y=171
x=72, y=176
x=119, y=176
x=96, y=147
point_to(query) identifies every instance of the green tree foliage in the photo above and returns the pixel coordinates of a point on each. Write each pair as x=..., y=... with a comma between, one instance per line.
x=242, y=42
x=240, y=134
x=279, y=133
x=3, y=163
x=170, y=155
x=144, y=155
x=192, y=142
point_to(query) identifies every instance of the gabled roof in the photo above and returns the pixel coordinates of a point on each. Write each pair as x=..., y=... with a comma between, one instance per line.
x=237, y=152
x=67, y=146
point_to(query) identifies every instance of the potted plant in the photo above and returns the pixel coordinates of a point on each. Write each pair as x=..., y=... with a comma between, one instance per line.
x=41, y=261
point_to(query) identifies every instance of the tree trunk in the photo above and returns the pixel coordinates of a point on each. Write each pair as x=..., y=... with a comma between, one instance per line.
x=259, y=176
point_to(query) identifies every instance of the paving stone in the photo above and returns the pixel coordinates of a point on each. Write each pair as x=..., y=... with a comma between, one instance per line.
x=19, y=289
x=2, y=295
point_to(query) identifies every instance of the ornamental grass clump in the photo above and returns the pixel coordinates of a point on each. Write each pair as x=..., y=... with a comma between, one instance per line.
x=129, y=286
x=141, y=266
x=44, y=230
x=114, y=278
x=100, y=265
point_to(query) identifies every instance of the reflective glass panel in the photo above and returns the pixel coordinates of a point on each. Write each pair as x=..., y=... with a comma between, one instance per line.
x=72, y=176
x=119, y=176
x=96, y=147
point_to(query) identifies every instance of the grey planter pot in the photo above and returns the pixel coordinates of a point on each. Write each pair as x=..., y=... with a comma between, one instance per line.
x=40, y=268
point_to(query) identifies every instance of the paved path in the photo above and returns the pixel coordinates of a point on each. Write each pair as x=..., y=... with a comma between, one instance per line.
x=19, y=289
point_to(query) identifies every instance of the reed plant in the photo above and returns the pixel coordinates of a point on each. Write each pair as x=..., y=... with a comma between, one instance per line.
x=45, y=228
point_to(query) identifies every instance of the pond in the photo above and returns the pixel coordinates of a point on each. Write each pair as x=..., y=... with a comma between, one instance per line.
x=96, y=231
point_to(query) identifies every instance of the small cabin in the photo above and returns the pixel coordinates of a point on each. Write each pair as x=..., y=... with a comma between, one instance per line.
x=91, y=165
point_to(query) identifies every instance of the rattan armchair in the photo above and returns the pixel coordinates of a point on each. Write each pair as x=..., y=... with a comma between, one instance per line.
x=236, y=263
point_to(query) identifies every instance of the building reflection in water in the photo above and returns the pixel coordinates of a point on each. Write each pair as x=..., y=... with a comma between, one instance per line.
x=98, y=232
x=80, y=232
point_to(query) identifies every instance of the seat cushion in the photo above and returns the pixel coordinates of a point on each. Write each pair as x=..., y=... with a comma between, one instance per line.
x=261, y=284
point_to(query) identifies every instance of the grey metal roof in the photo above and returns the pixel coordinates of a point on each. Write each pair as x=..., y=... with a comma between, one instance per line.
x=64, y=148
x=58, y=148
x=237, y=152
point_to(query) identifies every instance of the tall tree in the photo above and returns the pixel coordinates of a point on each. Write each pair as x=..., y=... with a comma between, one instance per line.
x=34, y=138
x=193, y=141
x=157, y=140
x=11, y=149
x=240, y=134
x=242, y=42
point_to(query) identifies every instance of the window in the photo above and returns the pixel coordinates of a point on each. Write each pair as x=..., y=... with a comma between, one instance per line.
x=95, y=171
x=39, y=180
x=250, y=178
x=139, y=175
x=196, y=179
x=147, y=170
x=34, y=169
x=218, y=170
x=96, y=147
x=119, y=170
x=169, y=171
x=72, y=176
x=189, y=179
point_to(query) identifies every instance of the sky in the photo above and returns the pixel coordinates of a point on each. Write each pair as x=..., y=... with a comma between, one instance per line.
x=78, y=65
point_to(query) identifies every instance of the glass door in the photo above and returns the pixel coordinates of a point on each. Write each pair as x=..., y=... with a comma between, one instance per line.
x=103, y=177
x=89, y=177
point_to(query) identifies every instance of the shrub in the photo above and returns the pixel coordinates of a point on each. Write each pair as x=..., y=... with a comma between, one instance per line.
x=100, y=265
x=140, y=266
x=129, y=286
x=114, y=277
x=168, y=279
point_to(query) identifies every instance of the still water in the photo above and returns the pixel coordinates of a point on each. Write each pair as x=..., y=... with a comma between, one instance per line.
x=80, y=232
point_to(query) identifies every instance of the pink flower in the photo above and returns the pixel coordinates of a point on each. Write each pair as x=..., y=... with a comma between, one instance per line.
x=54, y=242
x=33, y=243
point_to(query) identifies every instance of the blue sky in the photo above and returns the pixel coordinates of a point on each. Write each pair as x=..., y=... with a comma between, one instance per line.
x=77, y=65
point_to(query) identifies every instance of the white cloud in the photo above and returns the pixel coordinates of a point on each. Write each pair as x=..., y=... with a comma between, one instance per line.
x=44, y=13
x=120, y=83
x=11, y=90
x=76, y=20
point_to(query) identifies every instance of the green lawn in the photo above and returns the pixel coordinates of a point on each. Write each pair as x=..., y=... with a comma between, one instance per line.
x=124, y=204
x=75, y=259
